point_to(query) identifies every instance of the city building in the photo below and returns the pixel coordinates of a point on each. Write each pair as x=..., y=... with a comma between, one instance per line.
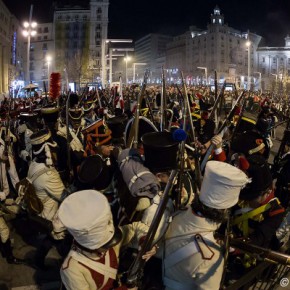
x=42, y=54
x=11, y=51
x=76, y=44
x=273, y=65
x=78, y=35
x=199, y=53
x=151, y=50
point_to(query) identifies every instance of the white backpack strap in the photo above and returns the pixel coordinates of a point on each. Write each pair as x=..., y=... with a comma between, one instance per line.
x=38, y=173
x=136, y=176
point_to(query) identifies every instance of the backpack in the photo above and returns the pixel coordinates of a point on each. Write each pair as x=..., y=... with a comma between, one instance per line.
x=25, y=188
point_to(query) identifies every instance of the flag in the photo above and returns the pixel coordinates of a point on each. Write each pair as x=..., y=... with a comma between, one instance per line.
x=119, y=100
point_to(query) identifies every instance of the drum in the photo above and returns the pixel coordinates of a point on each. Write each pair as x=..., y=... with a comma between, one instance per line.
x=117, y=125
x=160, y=150
x=145, y=126
x=94, y=172
x=98, y=130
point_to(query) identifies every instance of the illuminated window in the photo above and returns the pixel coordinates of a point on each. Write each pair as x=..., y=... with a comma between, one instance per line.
x=213, y=21
x=216, y=12
x=220, y=21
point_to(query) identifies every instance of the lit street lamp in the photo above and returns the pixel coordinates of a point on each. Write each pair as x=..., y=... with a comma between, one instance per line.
x=29, y=30
x=205, y=72
x=126, y=59
x=248, y=44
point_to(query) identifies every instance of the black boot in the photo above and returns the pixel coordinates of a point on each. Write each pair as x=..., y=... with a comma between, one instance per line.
x=7, y=253
x=41, y=253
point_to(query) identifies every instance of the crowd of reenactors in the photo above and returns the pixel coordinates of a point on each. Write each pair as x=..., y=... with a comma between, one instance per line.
x=94, y=169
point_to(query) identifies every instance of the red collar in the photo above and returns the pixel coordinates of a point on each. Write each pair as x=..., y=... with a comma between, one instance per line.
x=270, y=196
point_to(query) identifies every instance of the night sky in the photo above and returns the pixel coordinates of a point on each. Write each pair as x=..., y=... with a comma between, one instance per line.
x=133, y=18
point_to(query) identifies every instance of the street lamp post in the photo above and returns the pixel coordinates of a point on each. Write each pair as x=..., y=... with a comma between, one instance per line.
x=205, y=72
x=134, y=68
x=29, y=30
x=111, y=55
x=104, y=52
x=276, y=80
x=126, y=59
x=48, y=59
x=260, y=79
x=248, y=44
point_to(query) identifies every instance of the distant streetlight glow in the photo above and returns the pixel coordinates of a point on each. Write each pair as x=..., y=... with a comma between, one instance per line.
x=126, y=59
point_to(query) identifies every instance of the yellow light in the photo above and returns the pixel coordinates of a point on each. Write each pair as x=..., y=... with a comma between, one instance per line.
x=248, y=43
x=33, y=24
x=25, y=33
x=25, y=24
x=48, y=58
x=33, y=33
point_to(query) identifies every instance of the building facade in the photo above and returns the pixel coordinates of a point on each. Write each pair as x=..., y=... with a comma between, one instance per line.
x=78, y=45
x=11, y=51
x=273, y=64
x=150, y=50
x=42, y=55
x=78, y=35
x=229, y=52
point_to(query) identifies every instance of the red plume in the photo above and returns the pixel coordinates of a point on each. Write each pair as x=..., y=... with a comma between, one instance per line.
x=54, y=87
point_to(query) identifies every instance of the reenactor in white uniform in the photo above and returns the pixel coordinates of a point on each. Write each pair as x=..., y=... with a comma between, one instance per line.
x=193, y=259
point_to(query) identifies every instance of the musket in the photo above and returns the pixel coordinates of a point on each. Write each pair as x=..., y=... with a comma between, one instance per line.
x=222, y=129
x=68, y=135
x=228, y=233
x=217, y=101
x=239, y=119
x=134, y=131
x=7, y=133
x=45, y=91
x=135, y=272
x=260, y=252
x=197, y=170
x=84, y=93
x=285, y=139
x=163, y=112
x=98, y=97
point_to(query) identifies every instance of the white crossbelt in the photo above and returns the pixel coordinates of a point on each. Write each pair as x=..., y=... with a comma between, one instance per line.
x=104, y=269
